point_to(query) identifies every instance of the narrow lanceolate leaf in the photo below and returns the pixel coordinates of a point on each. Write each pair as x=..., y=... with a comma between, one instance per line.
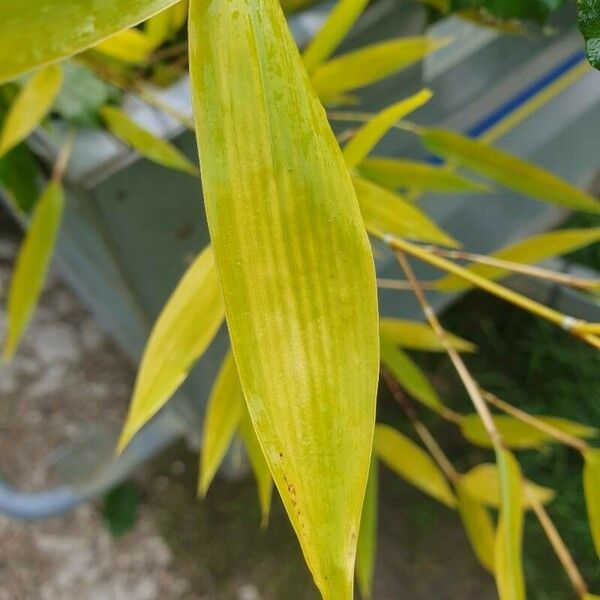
x=339, y=22
x=396, y=173
x=508, y=564
x=412, y=463
x=385, y=211
x=507, y=170
x=478, y=526
x=224, y=413
x=528, y=251
x=591, y=486
x=66, y=27
x=30, y=107
x=415, y=335
x=367, y=537
x=367, y=137
x=146, y=143
x=32, y=264
x=295, y=267
x=181, y=334
x=130, y=46
x=370, y=64
x=588, y=19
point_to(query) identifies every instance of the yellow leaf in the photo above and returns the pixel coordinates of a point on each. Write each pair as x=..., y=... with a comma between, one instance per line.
x=591, y=485
x=131, y=46
x=186, y=326
x=30, y=107
x=296, y=270
x=222, y=418
x=367, y=537
x=146, y=143
x=179, y=14
x=367, y=137
x=412, y=463
x=385, y=211
x=416, y=335
x=591, y=597
x=528, y=251
x=158, y=29
x=508, y=170
x=517, y=434
x=32, y=264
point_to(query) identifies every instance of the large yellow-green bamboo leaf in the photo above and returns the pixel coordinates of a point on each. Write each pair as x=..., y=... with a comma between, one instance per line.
x=223, y=416
x=367, y=137
x=408, y=374
x=296, y=269
x=412, y=463
x=370, y=64
x=186, y=326
x=416, y=335
x=528, y=251
x=32, y=264
x=478, y=526
x=30, y=107
x=130, y=46
x=508, y=170
x=520, y=435
x=395, y=173
x=337, y=25
x=146, y=143
x=386, y=211
x=508, y=563
x=482, y=483
x=367, y=537
x=65, y=27
x=591, y=485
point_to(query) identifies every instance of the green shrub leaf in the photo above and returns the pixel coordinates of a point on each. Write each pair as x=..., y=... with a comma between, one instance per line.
x=588, y=19
x=591, y=485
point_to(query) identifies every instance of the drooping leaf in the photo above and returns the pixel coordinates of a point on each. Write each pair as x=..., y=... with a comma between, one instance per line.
x=146, y=143
x=18, y=177
x=30, y=107
x=65, y=26
x=507, y=170
x=591, y=486
x=529, y=10
x=32, y=264
x=588, y=19
x=130, y=46
x=186, y=326
x=412, y=463
x=367, y=536
x=367, y=137
x=223, y=416
x=386, y=211
x=295, y=268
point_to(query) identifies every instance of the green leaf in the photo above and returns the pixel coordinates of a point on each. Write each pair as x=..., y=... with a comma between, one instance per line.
x=385, y=211
x=528, y=251
x=186, y=326
x=416, y=335
x=528, y=10
x=507, y=170
x=591, y=597
x=32, y=264
x=158, y=28
x=222, y=418
x=65, y=26
x=30, y=107
x=367, y=537
x=591, y=486
x=295, y=267
x=367, y=137
x=147, y=144
x=18, y=177
x=588, y=19
x=412, y=463
x=120, y=508
x=129, y=46
x=520, y=435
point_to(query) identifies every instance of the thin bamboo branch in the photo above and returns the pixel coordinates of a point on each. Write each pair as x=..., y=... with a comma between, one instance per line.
x=398, y=284
x=64, y=155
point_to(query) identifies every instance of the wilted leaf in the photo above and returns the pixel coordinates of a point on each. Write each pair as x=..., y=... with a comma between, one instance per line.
x=146, y=143
x=530, y=10
x=367, y=537
x=588, y=19
x=591, y=485
x=296, y=269
x=181, y=334
x=18, y=177
x=508, y=170
x=32, y=264
x=30, y=107
x=130, y=46
x=412, y=463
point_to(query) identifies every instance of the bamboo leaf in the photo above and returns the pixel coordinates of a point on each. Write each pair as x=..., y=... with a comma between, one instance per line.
x=18, y=177
x=367, y=537
x=412, y=463
x=32, y=264
x=186, y=326
x=588, y=19
x=147, y=144
x=158, y=29
x=30, y=107
x=507, y=170
x=591, y=597
x=130, y=46
x=367, y=137
x=385, y=211
x=271, y=166
x=223, y=416
x=66, y=27
x=591, y=485
x=179, y=14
